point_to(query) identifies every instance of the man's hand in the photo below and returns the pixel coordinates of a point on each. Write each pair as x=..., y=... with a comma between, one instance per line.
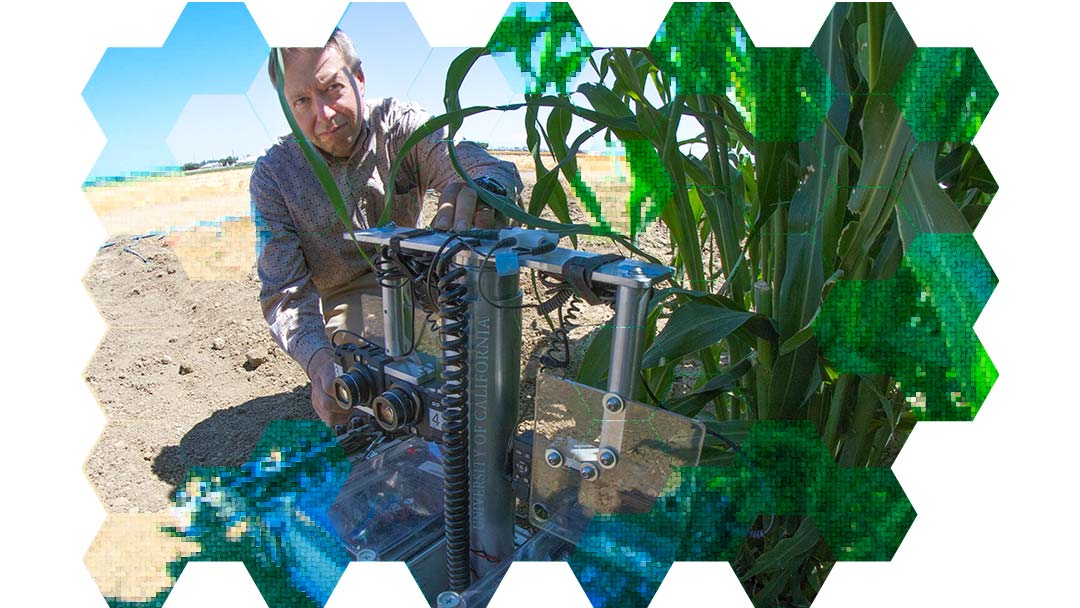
x=321, y=373
x=460, y=209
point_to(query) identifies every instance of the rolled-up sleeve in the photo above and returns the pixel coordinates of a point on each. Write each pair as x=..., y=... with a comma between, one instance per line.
x=289, y=300
x=430, y=158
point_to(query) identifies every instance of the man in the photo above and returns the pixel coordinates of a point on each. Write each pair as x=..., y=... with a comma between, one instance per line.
x=312, y=278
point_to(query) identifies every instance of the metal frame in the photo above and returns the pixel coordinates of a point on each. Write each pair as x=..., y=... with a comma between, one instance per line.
x=494, y=380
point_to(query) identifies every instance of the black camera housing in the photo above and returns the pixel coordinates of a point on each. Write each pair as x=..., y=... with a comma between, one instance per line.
x=368, y=383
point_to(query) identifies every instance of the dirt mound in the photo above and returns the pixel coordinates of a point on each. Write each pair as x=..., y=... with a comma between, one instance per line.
x=171, y=374
x=188, y=375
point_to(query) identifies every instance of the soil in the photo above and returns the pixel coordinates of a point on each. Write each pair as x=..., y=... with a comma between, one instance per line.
x=174, y=373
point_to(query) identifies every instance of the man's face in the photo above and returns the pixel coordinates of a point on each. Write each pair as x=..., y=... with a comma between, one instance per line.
x=319, y=90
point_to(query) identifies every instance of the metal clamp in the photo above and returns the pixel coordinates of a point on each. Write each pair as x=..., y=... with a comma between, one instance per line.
x=587, y=460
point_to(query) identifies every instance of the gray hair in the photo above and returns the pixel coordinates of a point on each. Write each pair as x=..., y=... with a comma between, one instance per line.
x=339, y=40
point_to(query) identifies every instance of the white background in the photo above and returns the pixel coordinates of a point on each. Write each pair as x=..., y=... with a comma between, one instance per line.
x=996, y=498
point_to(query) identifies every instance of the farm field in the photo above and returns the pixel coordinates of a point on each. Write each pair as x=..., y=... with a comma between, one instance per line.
x=187, y=374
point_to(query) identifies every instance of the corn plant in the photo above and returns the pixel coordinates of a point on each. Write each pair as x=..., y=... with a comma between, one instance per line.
x=802, y=174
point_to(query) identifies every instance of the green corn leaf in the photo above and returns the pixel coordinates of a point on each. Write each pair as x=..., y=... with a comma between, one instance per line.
x=725, y=380
x=888, y=144
x=692, y=327
x=923, y=206
x=317, y=162
x=788, y=552
x=605, y=102
x=596, y=360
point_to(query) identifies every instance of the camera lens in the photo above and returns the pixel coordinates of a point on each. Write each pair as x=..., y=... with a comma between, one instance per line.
x=353, y=388
x=395, y=409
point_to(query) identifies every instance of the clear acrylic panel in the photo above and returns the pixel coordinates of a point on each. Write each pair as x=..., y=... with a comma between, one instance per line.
x=389, y=499
x=570, y=416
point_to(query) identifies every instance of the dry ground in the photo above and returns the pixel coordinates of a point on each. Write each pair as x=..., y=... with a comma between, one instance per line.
x=174, y=372
x=187, y=373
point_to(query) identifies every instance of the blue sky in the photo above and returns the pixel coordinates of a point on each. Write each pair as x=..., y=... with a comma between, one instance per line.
x=143, y=97
x=137, y=94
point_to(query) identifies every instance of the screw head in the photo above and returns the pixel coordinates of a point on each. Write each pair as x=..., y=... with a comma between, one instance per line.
x=613, y=403
x=607, y=458
x=367, y=555
x=589, y=472
x=553, y=457
x=540, y=512
x=448, y=599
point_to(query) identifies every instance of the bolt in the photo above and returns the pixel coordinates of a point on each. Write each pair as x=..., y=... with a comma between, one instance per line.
x=449, y=599
x=367, y=555
x=589, y=472
x=607, y=458
x=540, y=512
x=613, y=403
x=553, y=458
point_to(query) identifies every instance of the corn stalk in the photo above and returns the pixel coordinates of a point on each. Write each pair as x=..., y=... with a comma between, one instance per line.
x=783, y=221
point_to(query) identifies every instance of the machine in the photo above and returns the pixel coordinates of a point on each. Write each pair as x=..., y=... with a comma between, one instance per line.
x=445, y=476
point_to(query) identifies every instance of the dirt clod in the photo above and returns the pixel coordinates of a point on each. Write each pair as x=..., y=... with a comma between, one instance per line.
x=200, y=408
x=254, y=358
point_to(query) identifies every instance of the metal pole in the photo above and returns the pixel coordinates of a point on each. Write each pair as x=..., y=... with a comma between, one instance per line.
x=494, y=380
x=393, y=311
x=628, y=336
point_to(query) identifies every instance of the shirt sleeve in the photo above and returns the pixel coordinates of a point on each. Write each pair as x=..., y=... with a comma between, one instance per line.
x=430, y=159
x=289, y=300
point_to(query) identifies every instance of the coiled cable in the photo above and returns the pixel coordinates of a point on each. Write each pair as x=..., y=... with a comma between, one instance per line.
x=396, y=270
x=560, y=338
x=454, y=340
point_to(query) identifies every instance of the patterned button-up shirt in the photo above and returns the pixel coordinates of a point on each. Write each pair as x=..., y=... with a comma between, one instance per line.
x=303, y=253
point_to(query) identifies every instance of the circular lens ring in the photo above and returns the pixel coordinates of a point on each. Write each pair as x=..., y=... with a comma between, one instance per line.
x=396, y=409
x=353, y=388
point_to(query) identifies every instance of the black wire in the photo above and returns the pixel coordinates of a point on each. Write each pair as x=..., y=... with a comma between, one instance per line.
x=561, y=336
x=509, y=242
x=438, y=254
x=333, y=337
x=565, y=335
x=727, y=441
x=408, y=280
x=536, y=292
x=454, y=338
x=648, y=389
x=755, y=534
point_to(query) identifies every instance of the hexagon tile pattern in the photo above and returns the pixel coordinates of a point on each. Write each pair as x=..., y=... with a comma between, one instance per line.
x=144, y=122
x=270, y=514
x=707, y=514
x=781, y=474
x=546, y=42
x=703, y=48
x=918, y=326
x=945, y=94
x=117, y=93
